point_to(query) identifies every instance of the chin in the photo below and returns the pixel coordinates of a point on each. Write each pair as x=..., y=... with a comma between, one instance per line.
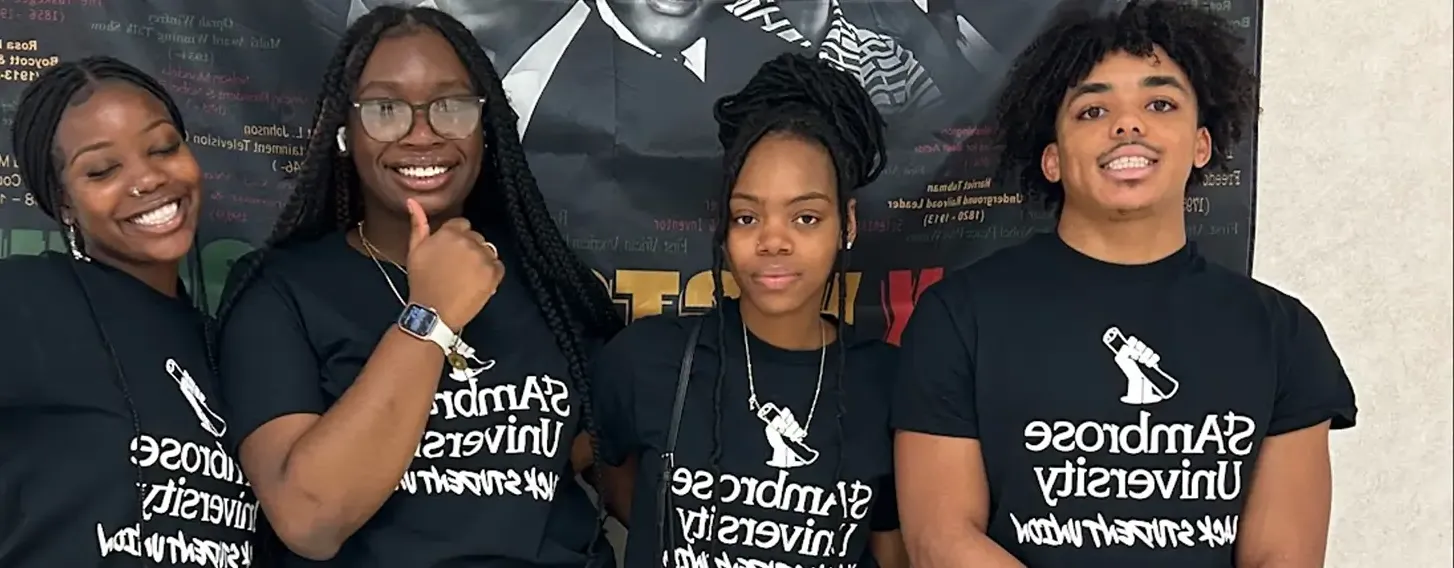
x=170, y=251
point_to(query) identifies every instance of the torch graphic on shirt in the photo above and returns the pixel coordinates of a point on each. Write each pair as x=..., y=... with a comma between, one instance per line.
x=211, y=422
x=785, y=437
x=1135, y=358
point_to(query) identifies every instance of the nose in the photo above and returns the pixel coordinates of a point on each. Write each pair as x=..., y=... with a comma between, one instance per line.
x=151, y=179
x=773, y=239
x=421, y=133
x=1128, y=125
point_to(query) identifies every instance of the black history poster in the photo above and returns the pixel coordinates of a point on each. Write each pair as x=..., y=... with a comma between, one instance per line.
x=629, y=79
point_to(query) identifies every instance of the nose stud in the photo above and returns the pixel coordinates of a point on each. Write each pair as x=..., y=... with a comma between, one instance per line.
x=136, y=192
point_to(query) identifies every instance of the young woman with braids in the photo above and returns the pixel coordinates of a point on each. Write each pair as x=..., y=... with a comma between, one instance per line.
x=783, y=452
x=1103, y=395
x=110, y=441
x=406, y=358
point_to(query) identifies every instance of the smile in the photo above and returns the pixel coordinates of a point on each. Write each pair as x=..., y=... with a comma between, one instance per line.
x=1129, y=168
x=676, y=8
x=423, y=178
x=162, y=219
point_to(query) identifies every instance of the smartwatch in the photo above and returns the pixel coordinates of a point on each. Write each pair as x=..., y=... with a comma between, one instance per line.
x=423, y=323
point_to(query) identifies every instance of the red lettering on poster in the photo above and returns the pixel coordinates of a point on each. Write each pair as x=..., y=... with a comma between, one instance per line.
x=898, y=294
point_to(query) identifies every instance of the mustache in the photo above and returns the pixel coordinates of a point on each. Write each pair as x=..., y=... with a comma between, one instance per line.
x=1137, y=142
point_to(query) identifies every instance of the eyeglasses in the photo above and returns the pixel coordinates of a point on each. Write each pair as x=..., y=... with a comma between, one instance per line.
x=388, y=120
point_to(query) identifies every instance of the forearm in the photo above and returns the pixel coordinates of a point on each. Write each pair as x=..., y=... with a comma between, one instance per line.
x=617, y=484
x=351, y=460
x=949, y=546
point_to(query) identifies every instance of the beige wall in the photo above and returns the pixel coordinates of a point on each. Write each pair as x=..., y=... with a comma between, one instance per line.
x=1354, y=217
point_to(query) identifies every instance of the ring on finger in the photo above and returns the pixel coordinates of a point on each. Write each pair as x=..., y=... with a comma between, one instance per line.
x=489, y=245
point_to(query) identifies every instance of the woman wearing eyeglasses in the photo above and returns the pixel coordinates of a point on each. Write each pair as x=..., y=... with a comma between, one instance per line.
x=405, y=359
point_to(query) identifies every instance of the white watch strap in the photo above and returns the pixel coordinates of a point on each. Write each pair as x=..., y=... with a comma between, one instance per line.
x=443, y=337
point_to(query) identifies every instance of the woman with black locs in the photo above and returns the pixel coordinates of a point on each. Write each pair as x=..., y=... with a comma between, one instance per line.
x=800, y=137
x=103, y=147
x=331, y=419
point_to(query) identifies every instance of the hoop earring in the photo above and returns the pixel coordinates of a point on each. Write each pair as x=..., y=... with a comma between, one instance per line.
x=71, y=243
x=342, y=141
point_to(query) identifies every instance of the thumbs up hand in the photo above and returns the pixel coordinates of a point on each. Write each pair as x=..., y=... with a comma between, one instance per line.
x=453, y=270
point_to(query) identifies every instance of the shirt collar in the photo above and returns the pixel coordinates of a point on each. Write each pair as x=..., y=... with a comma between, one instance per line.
x=694, y=57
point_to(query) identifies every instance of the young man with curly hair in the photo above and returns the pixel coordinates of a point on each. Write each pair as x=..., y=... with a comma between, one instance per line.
x=1102, y=395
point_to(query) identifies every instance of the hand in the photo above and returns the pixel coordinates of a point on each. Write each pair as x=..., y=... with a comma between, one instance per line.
x=1136, y=350
x=454, y=270
x=786, y=426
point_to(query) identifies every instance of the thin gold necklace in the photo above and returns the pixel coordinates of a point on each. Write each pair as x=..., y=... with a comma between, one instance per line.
x=462, y=353
x=374, y=254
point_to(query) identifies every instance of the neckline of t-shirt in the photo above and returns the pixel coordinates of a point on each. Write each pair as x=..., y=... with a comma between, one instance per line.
x=1168, y=266
x=338, y=241
x=764, y=351
x=99, y=273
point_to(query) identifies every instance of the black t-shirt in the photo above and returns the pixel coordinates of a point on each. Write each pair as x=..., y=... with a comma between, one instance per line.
x=93, y=431
x=1097, y=453
x=491, y=483
x=769, y=501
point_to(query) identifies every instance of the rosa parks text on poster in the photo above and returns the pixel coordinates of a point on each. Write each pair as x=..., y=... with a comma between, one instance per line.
x=644, y=292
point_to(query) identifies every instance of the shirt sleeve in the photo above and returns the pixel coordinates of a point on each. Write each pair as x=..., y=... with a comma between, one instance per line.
x=613, y=386
x=934, y=393
x=885, y=515
x=1312, y=386
x=268, y=367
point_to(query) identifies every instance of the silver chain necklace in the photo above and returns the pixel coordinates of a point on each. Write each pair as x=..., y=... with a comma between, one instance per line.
x=752, y=385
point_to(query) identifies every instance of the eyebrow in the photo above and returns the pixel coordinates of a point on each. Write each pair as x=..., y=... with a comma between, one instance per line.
x=1152, y=81
x=107, y=143
x=810, y=196
x=396, y=86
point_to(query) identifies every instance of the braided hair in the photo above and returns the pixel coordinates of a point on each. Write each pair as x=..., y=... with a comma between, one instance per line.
x=808, y=98
x=325, y=197
x=1202, y=43
x=37, y=118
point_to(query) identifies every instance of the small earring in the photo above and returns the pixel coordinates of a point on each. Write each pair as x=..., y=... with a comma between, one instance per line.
x=849, y=246
x=73, y=245
x=342, y=142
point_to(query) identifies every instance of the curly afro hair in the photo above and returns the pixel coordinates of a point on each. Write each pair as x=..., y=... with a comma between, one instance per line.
x=1202, y=43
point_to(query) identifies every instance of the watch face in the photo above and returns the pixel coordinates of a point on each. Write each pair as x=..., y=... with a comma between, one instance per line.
x=418, y=321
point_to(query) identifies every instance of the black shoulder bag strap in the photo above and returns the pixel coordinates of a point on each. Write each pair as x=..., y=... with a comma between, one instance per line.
x=668, y=457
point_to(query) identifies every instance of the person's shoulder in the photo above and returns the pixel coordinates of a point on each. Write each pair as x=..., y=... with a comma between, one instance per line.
x=285, y=262
x=1000, y=270
x=869, y=352
x=1233, y=290
x=654, y=331
x=31, y=274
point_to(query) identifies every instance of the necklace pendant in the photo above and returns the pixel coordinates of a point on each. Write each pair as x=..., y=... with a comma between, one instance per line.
x=457, y=361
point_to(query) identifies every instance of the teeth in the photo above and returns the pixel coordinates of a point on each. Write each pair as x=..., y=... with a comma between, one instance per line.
x=159, y=216
x=1128, y=162
x=422, y=172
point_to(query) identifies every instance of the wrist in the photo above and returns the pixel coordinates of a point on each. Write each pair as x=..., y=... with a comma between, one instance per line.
x=446, y=317
x=423, y=322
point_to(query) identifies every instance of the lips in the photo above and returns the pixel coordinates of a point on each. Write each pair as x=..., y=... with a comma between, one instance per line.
x=1129, y=163
x=423, y=176
x=163, y=217
x=676, y=8
x=777, y=279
